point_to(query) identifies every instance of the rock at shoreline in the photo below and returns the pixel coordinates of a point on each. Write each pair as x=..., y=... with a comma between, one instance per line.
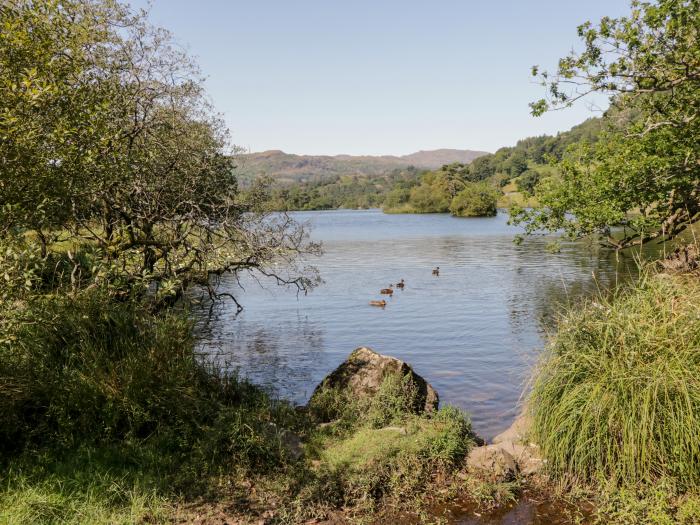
x=510, y=454
x=684, y=259
x=518, y=431
x=492, y=462
x=363, y=372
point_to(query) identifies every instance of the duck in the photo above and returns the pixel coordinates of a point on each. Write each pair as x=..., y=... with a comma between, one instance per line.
x=400, y=284
x=436, y=270
x=387, y=291
x=381, y=303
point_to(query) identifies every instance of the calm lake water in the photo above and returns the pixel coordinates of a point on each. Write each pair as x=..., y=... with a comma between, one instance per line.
x=474, y=332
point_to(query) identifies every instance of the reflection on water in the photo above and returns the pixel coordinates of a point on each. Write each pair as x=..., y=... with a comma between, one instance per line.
x=473, y=332
x=529, y=509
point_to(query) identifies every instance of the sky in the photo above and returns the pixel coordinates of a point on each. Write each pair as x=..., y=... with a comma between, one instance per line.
x=381, y=77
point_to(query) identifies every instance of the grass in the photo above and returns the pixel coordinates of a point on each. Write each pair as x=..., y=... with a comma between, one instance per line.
x=616, y=401
x=378, y=452
x=80, y=488
x=658, y=504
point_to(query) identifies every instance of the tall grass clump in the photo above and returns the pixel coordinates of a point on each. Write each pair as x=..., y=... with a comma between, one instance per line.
x=617, y=394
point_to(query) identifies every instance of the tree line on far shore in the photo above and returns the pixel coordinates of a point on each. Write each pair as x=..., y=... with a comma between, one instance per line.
x=474, y=189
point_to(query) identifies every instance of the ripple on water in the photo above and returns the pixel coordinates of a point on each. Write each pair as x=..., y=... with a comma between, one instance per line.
x=473, y=332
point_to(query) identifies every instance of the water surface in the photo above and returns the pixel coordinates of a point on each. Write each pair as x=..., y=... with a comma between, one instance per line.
x=473, y=332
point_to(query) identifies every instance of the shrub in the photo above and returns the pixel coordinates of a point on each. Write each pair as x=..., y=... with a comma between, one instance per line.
x=527, y=181
x=379, y=450
x=428, y=199
x=617, y=395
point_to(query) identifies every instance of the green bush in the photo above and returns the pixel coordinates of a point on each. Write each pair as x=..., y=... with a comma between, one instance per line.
x=527, y=181
x=617, y=395
x=477, y=199
x=428, y=199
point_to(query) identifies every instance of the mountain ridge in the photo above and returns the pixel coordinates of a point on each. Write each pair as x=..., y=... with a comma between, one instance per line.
x=293, y=167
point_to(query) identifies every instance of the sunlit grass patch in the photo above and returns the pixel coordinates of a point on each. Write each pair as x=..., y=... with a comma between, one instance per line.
x=78, y=489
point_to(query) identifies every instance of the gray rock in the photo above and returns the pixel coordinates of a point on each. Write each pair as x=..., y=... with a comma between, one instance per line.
x=527, y=457
x=363, y=372
x=291, y=443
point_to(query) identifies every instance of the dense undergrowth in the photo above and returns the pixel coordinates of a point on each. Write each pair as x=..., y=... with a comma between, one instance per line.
x=108, y=416
x=105, y=412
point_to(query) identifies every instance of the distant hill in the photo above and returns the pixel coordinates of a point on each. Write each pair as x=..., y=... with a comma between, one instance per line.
x=433, y=159
x=287, y=167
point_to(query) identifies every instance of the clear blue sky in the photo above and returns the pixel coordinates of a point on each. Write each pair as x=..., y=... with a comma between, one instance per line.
x=382, y=76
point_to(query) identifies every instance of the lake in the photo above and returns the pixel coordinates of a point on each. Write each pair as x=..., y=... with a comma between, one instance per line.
x=474, y=332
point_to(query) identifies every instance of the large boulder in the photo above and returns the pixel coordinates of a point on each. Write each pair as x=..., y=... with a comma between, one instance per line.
x=363, y=372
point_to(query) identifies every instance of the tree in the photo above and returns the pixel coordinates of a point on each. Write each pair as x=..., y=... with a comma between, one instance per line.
x=424, y=199
x=52, y=107
x=527, y=181
x=397, y=197
x=109, y=145
x=481, y=168
x=517, y=163
x=477, y=199
x=643, y=173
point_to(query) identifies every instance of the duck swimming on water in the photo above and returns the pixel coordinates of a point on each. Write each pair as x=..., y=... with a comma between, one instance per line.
x=381, y=303
x=387, y=291
x=400, y=284
x=436, y=270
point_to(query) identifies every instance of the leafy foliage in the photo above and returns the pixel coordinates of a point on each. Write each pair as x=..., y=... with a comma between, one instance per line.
x=644, y=172
x=527, y=181
x=108, y=140
x=354, y=192
x=413, y=190
x=85, y=371
x=477, y=199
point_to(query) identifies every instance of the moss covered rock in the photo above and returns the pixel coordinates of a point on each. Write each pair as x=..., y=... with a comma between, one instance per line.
x=362, y=374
